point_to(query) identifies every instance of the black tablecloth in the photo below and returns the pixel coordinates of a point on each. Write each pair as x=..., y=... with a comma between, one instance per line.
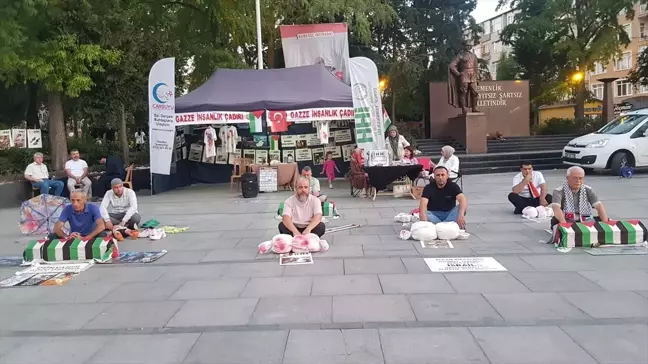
x=381, y=177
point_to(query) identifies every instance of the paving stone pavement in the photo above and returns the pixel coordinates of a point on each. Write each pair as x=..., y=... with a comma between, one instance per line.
x=369, y=299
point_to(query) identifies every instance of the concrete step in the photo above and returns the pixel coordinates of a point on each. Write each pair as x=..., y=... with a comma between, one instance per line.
x=507, y=169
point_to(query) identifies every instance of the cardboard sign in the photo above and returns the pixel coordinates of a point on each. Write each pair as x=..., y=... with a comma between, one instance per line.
x=467, y=264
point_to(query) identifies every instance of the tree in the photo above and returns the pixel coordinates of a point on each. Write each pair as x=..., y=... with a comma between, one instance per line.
x=585, y=31
x=45, y=46
x=508, y=68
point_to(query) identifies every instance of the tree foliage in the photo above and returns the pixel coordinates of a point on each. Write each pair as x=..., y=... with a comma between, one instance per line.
x=508, y=68
x=552, y=37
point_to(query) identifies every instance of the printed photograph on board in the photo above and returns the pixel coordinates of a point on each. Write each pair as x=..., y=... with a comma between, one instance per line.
x=301, y=141
x=303, y=155
x=260, y=141
x=346, y=152
x=342, y=136
x=195, y=152
x=261, y=157
x=312, y=140
x=318, y=156
x=221, y=156
x=249, y=154
x=5, y=139
x=288, y=141
x=19, y=137
x=236, y=154
x=35, y=139
x=288, y=155
x=274, y=156
x=336, y=150
x=295, y=259
x=205, y=159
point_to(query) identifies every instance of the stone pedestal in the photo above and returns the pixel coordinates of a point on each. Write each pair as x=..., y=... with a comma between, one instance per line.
x=608, y=98
x=470, y=130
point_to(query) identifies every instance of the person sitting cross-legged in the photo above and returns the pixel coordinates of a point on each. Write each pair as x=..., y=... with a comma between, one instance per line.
x=38, y=175
x=439, y=200
x=574, y=201
x=84, y=219
x=529, y=189
x=119, y=206
x=302, y=213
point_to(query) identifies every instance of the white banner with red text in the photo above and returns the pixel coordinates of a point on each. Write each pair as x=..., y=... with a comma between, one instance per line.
x=309, y=115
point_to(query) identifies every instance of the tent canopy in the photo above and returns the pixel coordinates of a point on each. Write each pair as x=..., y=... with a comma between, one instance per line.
x=295, y=88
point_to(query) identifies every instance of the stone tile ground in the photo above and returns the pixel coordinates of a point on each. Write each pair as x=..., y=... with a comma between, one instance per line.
x=369, y=299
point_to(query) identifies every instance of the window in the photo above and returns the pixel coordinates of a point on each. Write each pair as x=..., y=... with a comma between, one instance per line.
x=642, y=30
x=599, y=68
x=485, y=48
x=494, y=68
x=597, y=90
x=624, y=63
x=477, y=51
x=643, y=89
x=623, y=88
x=497, y=47
x=496, y=25
x=486, y=26
x=628, y=29
x=510, y=18
x=622, y=125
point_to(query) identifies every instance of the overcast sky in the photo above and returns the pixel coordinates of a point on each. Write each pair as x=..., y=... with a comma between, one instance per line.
x=486, y=10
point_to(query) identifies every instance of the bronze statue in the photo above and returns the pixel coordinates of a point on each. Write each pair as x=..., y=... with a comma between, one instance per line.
x=462, y=80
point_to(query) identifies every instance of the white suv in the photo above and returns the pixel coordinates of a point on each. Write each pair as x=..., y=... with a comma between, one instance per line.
x=622, y=142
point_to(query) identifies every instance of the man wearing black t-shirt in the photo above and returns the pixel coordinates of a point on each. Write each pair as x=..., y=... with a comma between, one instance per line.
x=440, y=199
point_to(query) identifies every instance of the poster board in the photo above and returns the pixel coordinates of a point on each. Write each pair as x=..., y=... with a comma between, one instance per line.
x=34, y=138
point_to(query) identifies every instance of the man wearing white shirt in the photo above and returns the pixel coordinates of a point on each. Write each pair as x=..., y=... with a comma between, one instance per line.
x=77, y=172
x=529, y=189
x=38, y=175
x=119, y=206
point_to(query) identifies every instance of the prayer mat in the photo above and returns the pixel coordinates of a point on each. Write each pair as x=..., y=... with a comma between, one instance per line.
x=592, y=234
x=100, y=249
x=43, y=279
x=619, y=250
x=138, y=257
x=10, y=261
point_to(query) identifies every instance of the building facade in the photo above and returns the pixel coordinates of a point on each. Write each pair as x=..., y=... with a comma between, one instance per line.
x=490, y=47
x=637, y=30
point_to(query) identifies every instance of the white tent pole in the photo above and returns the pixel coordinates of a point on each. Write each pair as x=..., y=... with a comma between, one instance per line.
x=258, y=29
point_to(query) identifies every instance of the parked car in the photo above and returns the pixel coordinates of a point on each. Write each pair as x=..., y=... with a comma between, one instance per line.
x=621, y=142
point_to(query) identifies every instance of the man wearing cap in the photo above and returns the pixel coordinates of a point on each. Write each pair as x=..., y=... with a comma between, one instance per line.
x=439, y=200
x=119, y=206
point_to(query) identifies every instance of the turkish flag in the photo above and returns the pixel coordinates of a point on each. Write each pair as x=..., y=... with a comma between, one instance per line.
x=278, y=123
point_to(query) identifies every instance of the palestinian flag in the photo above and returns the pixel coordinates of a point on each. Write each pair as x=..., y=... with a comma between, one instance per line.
x=386, y=120
x=280, y=210
x=592, y=234
x=328, y=209
x=274, y=142
x=100, y=249
x=256, y=121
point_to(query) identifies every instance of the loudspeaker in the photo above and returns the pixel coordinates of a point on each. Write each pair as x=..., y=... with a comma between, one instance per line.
x=249, y=185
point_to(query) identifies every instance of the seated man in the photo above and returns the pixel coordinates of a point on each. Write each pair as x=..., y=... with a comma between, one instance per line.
x=529, y=189
x=38, y=175
x=84, y=218
x=119, y=206
x=439, y=200
x=114, y=169
x=314, y=184
x=77, y=172
x=573, y=202
x=302, y=213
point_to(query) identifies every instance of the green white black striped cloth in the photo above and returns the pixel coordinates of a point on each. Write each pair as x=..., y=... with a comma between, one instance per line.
x=99, y=249
x=592, y=234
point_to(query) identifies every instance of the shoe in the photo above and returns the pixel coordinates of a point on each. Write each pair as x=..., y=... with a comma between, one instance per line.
x=134, y=234
x=330, y=186
x=118, y=235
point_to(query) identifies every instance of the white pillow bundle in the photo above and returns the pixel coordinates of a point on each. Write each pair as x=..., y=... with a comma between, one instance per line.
x=284, y=243
x=447, y=230
x=539, y=212
x=423, y=230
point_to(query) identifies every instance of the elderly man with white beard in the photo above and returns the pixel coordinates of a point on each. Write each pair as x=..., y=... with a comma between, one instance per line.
x=302, y=212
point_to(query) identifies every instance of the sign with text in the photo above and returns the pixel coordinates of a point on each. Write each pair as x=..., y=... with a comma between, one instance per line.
x=367, y=103
x=310, y=115
x=494, y=95
x=467, y=264
x=162, y=115
x=212, y=117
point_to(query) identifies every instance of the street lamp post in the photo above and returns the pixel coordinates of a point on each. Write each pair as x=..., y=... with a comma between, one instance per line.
x=258, y=30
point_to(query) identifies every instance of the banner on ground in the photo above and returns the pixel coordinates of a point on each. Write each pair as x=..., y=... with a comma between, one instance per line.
x=367, y=104
x=327, y=44
x=162, y=115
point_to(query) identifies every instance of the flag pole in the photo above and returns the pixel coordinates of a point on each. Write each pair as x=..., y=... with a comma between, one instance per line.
x=258, y=30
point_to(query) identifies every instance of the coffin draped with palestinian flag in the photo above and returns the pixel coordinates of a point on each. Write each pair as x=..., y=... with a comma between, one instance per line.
x=100, y=249
x=592, y=234
x=328, y=210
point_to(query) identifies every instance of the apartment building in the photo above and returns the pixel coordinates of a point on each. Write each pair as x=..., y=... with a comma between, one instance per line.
x=637, y=30
x=490, y=48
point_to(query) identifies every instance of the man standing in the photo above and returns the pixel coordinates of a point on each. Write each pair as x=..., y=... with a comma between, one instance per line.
x=314, y=184
x=38, y=175
x=77, y=172
x=302, y=213
x=119, y=206
x=140, y=139
x=84, y=218
x=529, y=189
x=439, y=200
x=114, y=169
x=574, y=201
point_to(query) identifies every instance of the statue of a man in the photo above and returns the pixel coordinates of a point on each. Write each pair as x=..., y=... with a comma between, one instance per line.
x=462, y=80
